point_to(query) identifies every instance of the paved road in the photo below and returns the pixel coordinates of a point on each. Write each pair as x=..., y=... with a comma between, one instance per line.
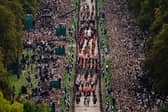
x=91, y=108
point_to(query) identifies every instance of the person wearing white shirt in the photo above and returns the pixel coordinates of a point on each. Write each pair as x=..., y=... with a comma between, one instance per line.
x=89, y=32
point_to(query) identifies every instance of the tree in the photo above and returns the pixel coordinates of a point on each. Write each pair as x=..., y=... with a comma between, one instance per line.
x=10, y=40
x=152, y=15
x=16, y=107
x=157, y=23
x=157, y=61
x=5, y=105
x=30, y=106
x=42, y=108
x=145, y=17
x=2, y=69
x=7, y=34
x=11, y=30
x=29, y=6
x=4, y=83
x=135, y=5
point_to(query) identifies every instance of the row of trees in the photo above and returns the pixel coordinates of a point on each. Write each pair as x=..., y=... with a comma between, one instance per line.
x=11, y=33
x=11, y=36
x=152, y=16
x=11, y=26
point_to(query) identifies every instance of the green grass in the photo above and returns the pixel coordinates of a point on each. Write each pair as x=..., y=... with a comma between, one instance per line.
x=66, y=82
x=73, y=22
x=104, y=38
x=22, y=80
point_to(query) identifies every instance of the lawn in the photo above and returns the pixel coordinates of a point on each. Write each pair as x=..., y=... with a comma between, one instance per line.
x=22, y=80
x=73, y=24
x=104, y=38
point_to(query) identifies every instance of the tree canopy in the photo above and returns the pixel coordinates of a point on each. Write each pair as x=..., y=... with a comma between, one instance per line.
x=5, y=105
x=157, y=61
x=11, y=37
x=31, y=107
x=29, y=6
x=152, y=15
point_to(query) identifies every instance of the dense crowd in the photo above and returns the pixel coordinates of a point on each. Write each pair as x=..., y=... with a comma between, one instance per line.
x=86, y=86
x=47, y=19
x=131, y=89
x=46, y=64
x=87, y=11
x=87, y=46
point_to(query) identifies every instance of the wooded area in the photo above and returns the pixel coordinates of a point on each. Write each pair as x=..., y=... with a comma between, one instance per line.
x=152, y=16
x=11, y=35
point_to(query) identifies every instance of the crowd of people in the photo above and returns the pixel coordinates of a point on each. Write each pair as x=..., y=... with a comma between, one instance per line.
x=109, y=105
x=50, y=12
x=47, y=19
x=67, y=91
x=87, y=46
x=131, y=89
x=46, y=64
x=86, y=86
x=87, y=57
x=87, y=40
x=87, y=11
